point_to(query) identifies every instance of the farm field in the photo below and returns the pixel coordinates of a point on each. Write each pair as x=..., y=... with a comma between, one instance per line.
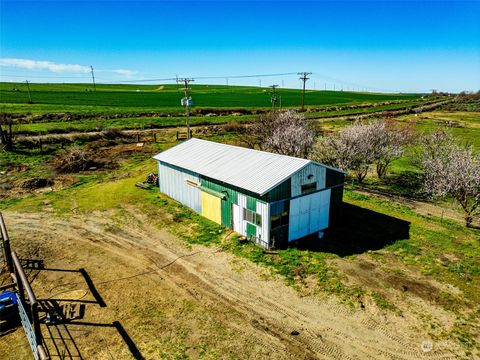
x=398, y=280
x=166, y=98
x=390, y=281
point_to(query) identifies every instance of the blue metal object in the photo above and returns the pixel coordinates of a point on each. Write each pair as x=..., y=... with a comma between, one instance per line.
x=7, y=298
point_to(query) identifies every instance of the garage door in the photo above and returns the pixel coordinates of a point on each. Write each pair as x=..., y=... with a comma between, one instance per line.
x=212, y=207
x=308, y=214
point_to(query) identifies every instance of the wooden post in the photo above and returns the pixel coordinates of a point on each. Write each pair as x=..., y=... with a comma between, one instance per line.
x=138, y=137
x=154, y=137
x=177, y=135
x=40, y=145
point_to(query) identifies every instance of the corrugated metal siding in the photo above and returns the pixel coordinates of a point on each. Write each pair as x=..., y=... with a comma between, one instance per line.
x=336, y=199
x=236, y=219
x=232, y=194
x=334, y=177
x=231, y=198
x=282, y=191
x=242, y=203
x=251, y=230
x=251, y=203
x=301, y=178
x=211, y=207
x=263, y=233
x=308, y=214
x=171, y=181
x=253, y=170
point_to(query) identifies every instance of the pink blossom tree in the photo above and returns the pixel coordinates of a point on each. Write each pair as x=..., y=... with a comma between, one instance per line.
x=452, y=170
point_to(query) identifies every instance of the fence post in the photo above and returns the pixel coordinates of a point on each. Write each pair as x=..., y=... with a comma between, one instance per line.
x=19, y=284
x=154, y=137
x=6, y=244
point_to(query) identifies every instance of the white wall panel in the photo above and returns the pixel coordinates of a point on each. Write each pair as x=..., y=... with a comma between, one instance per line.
x=308, y=214
x=242, y=204
x=263, y=232
x=171, y=182
x=301, y=178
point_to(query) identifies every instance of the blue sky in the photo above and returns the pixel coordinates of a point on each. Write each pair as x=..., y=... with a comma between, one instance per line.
x=388, y=45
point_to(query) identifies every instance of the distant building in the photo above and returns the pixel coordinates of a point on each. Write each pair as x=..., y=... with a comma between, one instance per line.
x=272, y=199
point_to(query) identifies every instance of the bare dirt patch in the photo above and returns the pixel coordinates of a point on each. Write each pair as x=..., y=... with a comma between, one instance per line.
x=173, y=301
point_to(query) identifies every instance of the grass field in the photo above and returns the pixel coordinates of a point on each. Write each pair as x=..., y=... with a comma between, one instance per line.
x=78, y=98
x=403, y=266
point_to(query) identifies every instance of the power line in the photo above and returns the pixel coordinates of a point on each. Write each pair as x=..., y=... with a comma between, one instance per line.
x=274, y=98
x=186, y=101
x=209, y=77
x=93, y=79
x=304, y=77
x=29, y=95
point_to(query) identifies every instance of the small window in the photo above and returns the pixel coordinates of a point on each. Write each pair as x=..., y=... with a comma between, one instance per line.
x=308, y=188
x=279, y=220
x=252, y=217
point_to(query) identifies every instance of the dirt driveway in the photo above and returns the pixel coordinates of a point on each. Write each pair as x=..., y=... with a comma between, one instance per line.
x=146, y=295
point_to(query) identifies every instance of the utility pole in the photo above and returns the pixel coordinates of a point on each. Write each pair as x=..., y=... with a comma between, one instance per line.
x=274, y=97
x=226, y=80
x=93, y=78
x=29, y=95
x=187, y=101
x=304, y=77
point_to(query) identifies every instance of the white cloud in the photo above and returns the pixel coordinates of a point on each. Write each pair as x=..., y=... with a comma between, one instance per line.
x=59, y=68
x=125, y=72
x=43, y=65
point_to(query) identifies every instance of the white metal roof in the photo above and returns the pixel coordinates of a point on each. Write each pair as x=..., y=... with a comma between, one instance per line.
x=253, y=170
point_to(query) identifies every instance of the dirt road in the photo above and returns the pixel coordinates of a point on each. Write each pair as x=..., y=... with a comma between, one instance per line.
x=197, y=302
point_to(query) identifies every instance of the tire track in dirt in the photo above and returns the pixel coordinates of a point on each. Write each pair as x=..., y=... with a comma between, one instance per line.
x=326, y=330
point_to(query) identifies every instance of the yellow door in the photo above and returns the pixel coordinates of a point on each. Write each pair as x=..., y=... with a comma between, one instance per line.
x=212, y=207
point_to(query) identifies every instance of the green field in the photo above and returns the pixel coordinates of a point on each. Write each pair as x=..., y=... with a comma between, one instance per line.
x=79, y=98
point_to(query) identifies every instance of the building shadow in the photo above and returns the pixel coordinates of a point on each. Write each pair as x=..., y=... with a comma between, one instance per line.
x=358, y=231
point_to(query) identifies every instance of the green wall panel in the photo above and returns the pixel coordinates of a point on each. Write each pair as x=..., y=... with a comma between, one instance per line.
x=251, y=230
x=282, y=191
x=226, y=213
x=232, y=194
x=251, y=203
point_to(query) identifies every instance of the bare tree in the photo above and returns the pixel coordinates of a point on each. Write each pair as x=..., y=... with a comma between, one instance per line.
x=6, y=134
x=450, y=169
x=286, y=133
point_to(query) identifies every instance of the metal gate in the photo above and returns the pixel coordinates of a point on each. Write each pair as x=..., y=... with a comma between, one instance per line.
x=27, y=326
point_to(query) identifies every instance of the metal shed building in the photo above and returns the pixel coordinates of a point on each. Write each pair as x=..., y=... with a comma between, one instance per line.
x=271, y=198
